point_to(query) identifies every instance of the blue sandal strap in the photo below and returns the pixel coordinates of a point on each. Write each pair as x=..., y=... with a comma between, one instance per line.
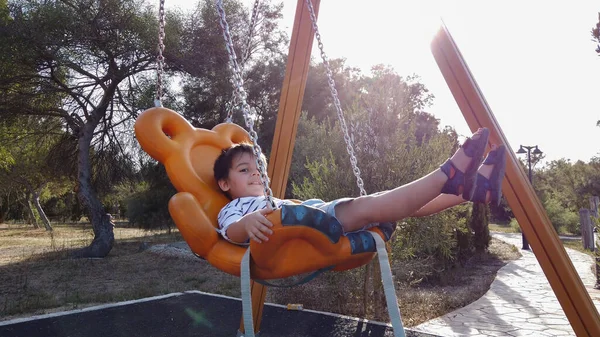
x=455, y=181
x=494, y=184
x=475, y=149
x=483, y=185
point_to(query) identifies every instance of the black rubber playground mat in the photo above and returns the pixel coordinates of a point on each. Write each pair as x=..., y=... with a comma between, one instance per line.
x=191, y=314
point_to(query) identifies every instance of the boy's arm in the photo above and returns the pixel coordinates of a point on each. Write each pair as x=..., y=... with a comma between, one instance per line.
x=253, y=226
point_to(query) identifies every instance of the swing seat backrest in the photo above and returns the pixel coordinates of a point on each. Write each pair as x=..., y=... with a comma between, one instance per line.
x=188, y=155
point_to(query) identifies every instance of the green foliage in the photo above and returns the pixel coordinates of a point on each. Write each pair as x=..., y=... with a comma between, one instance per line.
x=501, y=212
x=6, y=159
x=314, y=140
x=568, y=183
x=563, y=219
x=147, y=206
x=317, y=101
x=430, y=245
x=395, y=143
x=564, y=188
x=326, y=181
x=24, y=166
x=149, y=209
x=434, y=235
x=514, y=224
x=207, y=80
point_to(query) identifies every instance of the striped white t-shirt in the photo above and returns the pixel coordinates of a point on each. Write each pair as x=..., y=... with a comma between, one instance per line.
x=239, y=207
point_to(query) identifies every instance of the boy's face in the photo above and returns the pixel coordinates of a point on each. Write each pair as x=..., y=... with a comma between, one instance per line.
x=244, y=178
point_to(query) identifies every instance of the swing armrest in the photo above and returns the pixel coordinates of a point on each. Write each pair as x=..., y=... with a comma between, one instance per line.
x=193, y=224
x=201, y=235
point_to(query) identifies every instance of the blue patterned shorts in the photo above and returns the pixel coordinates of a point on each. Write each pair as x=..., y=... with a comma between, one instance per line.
x=329, y=208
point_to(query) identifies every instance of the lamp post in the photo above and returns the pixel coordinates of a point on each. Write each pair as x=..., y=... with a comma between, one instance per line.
x=536, y=151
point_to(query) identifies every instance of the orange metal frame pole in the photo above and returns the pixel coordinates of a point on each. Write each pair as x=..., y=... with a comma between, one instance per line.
x=292, y=93
x=290, y=104
x=519, y=193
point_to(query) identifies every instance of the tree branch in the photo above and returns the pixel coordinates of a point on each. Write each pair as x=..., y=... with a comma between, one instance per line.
x=70, y=92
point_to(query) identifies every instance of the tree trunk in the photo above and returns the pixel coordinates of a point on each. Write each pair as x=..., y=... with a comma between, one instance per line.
x=32, y=218
x=103, y=231
x=3, y=207
x=379, y=304
x=366, y=288
x=36, y=201
x=479, y=223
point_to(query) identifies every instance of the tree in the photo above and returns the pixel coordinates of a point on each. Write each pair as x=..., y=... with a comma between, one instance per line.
x=383, y=111
x=596, y=34
x=27, y=141
x=80, y=58
x=203, y=62
x=479, y=224
x=317, y=100
x=199, y=59
x=564, y=188
x=12, y=201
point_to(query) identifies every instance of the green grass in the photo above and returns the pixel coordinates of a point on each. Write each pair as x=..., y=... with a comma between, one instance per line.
x=503, y=228
x=576, y=245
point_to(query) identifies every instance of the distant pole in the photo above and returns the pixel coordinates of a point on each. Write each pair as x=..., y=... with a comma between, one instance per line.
x=536, y=150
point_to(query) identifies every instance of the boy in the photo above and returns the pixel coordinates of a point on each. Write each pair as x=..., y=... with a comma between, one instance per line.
x=459, y=179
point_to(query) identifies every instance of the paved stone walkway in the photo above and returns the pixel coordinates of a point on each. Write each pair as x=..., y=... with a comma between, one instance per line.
x=520, y=301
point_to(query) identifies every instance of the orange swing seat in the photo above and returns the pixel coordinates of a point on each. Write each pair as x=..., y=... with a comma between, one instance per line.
x=303, y=239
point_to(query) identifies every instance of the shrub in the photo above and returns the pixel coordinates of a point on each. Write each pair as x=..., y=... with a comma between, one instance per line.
x=479, y=224
x=562, y=218
x=440, y=239
x=514, y=224
x=148, y=209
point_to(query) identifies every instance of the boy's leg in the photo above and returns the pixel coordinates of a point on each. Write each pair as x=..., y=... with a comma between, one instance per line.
x=445, y=201
x=392, y=205
x=402, y=201
x=440, y=203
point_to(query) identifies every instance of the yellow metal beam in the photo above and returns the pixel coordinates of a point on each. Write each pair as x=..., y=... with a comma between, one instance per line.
x=290, y=104
x=519, y=193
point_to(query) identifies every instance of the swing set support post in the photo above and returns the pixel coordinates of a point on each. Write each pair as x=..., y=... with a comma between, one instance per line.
x=518, y=191
x=290, y=105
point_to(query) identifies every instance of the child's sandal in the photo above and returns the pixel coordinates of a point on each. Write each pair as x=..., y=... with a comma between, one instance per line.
x=464, y=182
x=456, y=179
x=493, y=185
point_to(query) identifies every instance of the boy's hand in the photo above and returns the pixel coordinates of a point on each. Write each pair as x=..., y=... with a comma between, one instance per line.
x=257, y=226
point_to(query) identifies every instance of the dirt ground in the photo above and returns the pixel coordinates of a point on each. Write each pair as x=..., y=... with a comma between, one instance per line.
x=36, y=276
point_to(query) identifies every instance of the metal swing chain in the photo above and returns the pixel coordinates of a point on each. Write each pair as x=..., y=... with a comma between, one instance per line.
x=246, y=109
x=336, y=101
x=246, y=51
x=245, y=54
x=160, y=58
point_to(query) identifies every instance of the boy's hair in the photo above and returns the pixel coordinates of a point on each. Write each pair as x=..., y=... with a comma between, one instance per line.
x=225, y=159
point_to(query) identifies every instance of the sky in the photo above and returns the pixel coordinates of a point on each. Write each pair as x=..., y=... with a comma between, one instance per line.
x=534, y=61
